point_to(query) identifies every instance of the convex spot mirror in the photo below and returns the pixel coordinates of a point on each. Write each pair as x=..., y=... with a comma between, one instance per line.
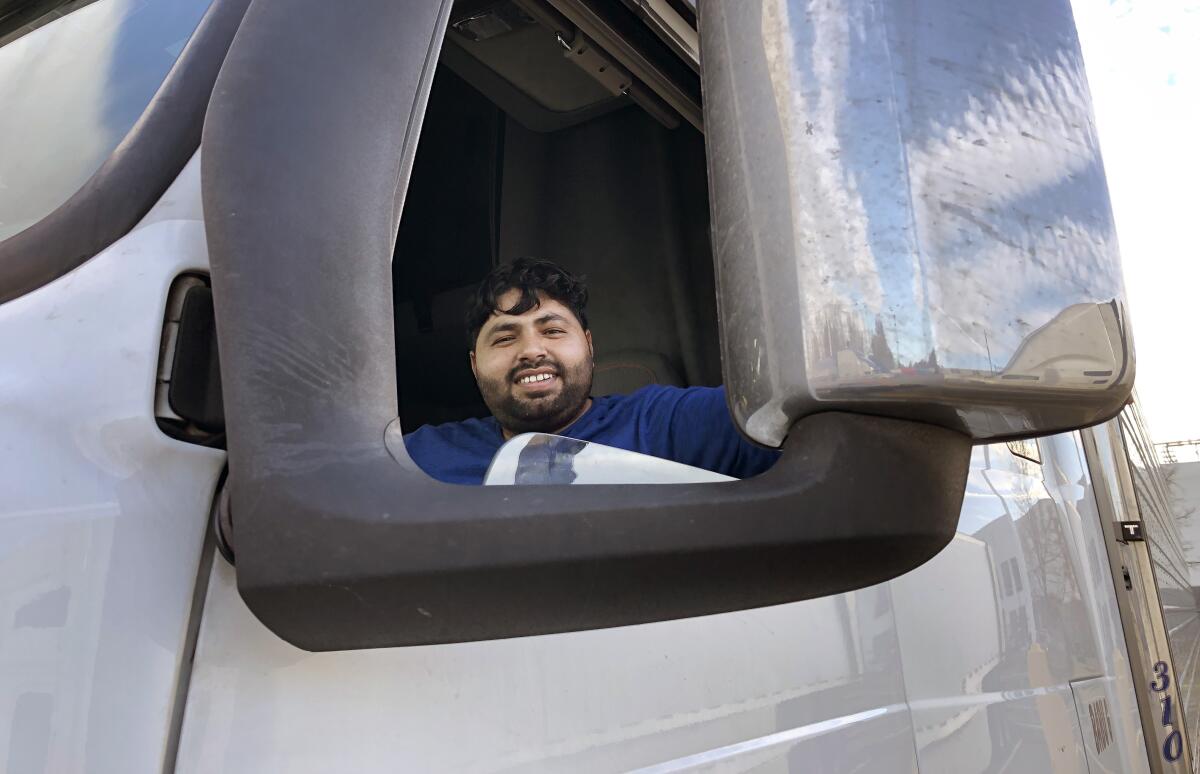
x=542, y=458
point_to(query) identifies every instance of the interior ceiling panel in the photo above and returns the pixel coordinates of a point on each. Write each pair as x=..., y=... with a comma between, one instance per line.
x=525, y=54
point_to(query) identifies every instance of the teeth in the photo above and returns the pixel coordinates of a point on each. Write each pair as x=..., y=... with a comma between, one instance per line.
x=535, y=378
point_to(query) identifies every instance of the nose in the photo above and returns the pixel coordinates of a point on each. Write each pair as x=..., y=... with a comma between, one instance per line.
x=532, y=349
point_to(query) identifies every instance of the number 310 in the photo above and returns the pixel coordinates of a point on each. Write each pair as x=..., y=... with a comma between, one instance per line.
x=1173, y=745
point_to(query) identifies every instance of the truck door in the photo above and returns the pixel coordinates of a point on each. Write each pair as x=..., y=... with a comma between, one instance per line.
x=811, y=685
x=102, y=514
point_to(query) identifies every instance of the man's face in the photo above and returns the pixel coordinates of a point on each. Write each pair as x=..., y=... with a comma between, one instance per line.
x=534, y=369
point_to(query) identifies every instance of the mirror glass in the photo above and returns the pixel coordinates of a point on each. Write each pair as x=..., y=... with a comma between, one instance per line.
x=911, y=216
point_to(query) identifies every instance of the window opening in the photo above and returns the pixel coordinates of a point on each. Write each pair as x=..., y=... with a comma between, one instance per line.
x=573, y=174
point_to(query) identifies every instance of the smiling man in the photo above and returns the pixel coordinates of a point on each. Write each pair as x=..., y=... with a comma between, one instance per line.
x=531, y=352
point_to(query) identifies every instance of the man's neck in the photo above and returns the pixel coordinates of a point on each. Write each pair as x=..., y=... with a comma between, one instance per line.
x=587, y=404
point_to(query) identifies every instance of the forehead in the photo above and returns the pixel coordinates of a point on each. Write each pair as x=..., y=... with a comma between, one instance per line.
x=546, y=305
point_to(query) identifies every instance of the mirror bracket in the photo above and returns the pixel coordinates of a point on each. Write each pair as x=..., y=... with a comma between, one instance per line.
x=367, y=551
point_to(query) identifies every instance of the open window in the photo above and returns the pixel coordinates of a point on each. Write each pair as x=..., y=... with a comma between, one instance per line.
x=526, y=152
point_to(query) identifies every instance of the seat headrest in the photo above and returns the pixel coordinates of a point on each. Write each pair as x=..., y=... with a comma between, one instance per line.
x=626, y=371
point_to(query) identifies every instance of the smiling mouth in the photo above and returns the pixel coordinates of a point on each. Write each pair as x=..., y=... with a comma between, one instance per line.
x=535, y=379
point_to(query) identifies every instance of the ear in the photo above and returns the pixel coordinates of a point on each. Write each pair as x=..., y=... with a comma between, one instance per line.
x=588, y=335
x=473, y=370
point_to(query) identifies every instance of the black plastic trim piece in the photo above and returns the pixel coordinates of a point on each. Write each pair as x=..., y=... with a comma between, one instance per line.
x=221, y=522
x=137, y=173
x=342, y=542
x=194, y=392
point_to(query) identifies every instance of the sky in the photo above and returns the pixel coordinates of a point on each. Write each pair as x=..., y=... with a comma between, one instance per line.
x=1143, y=66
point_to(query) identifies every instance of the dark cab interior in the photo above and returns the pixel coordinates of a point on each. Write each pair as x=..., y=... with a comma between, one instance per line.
x=524, y=152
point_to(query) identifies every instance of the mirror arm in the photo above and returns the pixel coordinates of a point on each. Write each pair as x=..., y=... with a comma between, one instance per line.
x=369, y=552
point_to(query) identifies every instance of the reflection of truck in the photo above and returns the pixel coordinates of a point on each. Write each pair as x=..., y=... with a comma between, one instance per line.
x=885, y=599
x=1039, y=357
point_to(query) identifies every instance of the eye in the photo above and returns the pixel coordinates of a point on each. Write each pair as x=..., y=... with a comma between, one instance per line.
x=502, y=340
x=554, y=331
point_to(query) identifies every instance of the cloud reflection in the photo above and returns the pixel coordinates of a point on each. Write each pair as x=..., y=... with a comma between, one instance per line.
x=72, y=89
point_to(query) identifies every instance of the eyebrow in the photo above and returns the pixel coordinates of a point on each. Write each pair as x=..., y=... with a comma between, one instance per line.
x=512, y=326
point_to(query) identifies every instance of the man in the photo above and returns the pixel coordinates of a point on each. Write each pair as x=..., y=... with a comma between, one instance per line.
x=531, y=353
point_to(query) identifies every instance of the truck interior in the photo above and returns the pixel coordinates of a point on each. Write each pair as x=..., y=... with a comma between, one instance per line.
x=525, y=152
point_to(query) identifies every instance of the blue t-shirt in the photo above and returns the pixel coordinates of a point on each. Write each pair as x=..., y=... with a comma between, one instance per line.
x=689, y=425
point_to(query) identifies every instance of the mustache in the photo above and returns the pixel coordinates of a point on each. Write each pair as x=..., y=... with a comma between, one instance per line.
x=546, y=363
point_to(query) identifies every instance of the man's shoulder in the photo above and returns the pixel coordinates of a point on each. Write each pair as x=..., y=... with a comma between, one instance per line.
x=654, y=392
x=661, y=396
x=661, y=405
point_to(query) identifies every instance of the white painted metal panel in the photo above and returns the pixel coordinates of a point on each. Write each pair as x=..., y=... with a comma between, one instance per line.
x=991, y=635
x=995, y=628
x=102, y=516
x=809, y=686
x=988, y=667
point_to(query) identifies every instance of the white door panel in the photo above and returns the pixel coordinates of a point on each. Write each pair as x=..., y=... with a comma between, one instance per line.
x=993, y=631
x=102, y=516
x=779, y=688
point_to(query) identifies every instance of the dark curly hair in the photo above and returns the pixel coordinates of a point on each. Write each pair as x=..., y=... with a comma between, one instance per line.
x=528, y=275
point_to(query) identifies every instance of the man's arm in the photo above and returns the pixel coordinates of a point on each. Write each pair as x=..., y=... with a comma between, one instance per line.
x=692, y=425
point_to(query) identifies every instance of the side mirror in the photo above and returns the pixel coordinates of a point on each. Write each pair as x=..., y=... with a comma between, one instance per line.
x=849, y=326
x=910, y=217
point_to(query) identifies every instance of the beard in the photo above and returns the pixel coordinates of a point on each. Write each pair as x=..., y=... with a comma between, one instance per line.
x=541, y=414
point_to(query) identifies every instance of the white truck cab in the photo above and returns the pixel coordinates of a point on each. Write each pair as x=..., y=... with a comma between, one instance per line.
x=235, y=240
